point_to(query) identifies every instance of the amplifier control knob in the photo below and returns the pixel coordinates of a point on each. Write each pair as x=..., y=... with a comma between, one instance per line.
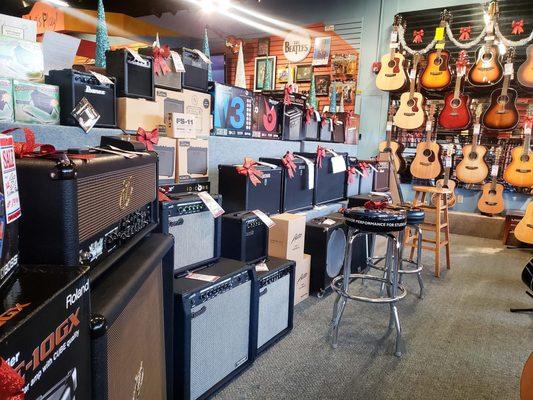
x=85, y=257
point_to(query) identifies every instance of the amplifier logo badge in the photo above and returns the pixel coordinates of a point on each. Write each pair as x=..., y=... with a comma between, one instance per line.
x=138, y=383
x=89, y=89
x=126, y=193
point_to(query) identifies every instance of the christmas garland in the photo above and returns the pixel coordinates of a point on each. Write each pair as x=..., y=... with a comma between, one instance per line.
x=401, y=33
x=511, y=43
x=466, y=45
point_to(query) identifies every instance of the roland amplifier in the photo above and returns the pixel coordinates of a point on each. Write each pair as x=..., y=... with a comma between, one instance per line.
x=135, y=76
x=91, y=207
x=276, y=302
x=325, y=242
x=74, y=86
x=196, y=232
x=244, y=237
x=290, y=115
x=265, y=120
x=131, y=325
x=215, y=323
x=195, y=76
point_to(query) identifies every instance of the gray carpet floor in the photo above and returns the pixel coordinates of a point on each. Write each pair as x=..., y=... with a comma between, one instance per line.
x=459, y=342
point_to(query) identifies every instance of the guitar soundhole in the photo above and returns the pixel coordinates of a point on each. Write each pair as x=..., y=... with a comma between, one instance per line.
x=387, y=150
x=472, y=156
x=411, y=103
x=486, y=57
x=492, y=192
x=455, y=103
x=524, y=158
x=438, y=61
x=503, y=99
x=429, y=154
x=391, y=64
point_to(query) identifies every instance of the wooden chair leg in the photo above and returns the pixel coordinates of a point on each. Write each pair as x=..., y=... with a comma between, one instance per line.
x=415, y=203
x=437, y=236
x=506, y=229
x=447, y=233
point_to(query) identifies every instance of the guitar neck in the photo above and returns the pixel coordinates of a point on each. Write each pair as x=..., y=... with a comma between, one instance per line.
x=505, y=85
x=493, y=183
x=446, y=176
x=474, y=141
x=527, y=145
x=457, y=88
x=412, y=86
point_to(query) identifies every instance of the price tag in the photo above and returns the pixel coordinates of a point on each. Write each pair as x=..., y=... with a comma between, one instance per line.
x=448, y=162
x=330, y=125
x=178, y=63
x=428, y=125
x=9, y=179
x=261, y=267
x=477, y=129
x=104, y=80
x=265, y=218
x=393, y=45
x=136, y=55
x=372, y=167
x=310, y=172
x=211, y=204
x=202, y=56
x=328, y=222
x=440, y=45
x=202, y=277
x=508, y=70
x=439, y=33
x=389, y=126
x=317, y=115
x=494, y=170
x=527, y=129
x=489, y=28
x=412, y=74
x=338, y=164
x=461, y=71
x=489, y=38
x=393, y=36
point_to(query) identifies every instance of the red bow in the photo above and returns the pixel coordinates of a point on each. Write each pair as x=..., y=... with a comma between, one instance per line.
x=351, y=174
x=320, y=154
x=376, y=205
x=11, y=383
x=162, y=196
x=287, y=95
x=29, y=146
x=363, y=167
x=376, y=67
x=518, y=27
x=148, y=138
x=248, y=168
x=323, y=119
x=309, y=115
x=465, y=33
x=418, y=35
x=160, y=55
x=288, y=162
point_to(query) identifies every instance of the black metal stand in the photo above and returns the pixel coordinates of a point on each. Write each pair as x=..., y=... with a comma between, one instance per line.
x=523, y=310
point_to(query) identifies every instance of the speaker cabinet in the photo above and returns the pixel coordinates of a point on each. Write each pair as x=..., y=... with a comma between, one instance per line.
x=244, y=237
x=131, y=324
x=135, y=78
x=382, y=177
x=325, y=242
x=216, y=318
x=366, y=182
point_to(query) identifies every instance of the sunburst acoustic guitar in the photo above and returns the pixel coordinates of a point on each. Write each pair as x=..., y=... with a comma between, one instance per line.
x=472, y=168
x=520, y=171
x=446, y=182
x=525, y=71
x=392, y=76
x=491, y=200
x=426, y=164
x=395, y=149
x=524, y=230
x=410, y=114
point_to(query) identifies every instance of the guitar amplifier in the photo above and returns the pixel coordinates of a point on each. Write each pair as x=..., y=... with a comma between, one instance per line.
x=166, y=153
x=195, y=76
x=196, y=232
x=131, y=325
x=244, y=237
x=310, y=129
x=177, y=188
x=232, y=110
x=295, y=192
x=170, y=80
x=292, y=123
x=74, y=86
x=338, y=134
x=265, y=121
x=329, y=187
x=196, y=160
x=215, y=322
x=240, y=194
x=92, y=207
x=276, y=302
x=381, y=178
x=135, y=78
x=325, y=242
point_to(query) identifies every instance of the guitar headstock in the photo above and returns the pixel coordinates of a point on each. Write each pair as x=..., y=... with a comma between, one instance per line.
x=398, y=20
x=445, y=16
x=493, y=9
x=509, y=56
x=528, y=120
x=392, y=111
x=462, y=62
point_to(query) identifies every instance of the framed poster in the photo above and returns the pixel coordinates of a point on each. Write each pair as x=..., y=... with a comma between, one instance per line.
x=263, y=47
x=283, y=73
x=322, y=83
x=304, y=72
x=265, y=73
x=345, y=65
x=322, y=49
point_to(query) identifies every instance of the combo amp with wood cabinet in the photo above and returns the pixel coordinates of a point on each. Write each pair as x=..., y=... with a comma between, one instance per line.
x=244, y=237
x=135, y=75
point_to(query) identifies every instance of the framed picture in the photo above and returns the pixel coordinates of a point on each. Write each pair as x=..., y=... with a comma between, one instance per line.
x=263, y=47
x=322, y=49
x=265, y=73
x=322, y=83
x=344, y=66
x=283, y=73
x=304, y=72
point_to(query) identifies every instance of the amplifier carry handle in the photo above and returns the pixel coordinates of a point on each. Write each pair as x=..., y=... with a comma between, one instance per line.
x=263, y=292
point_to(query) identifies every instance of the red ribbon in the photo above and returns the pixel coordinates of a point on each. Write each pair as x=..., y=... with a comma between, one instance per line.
x=248, y=168
x=518, y=27
x=376, y=205
x=323, y=119
x=465, y=33
x=363, y=167
x=28, y=147
x=376, y=67
x=418, y=35
x=160, y=55
x=320, y=154
x=11, y=383
x=309, y=115
x=287, y=95
x=351, y=174
x=288, y=162
x=161, y=195
x=148, y=138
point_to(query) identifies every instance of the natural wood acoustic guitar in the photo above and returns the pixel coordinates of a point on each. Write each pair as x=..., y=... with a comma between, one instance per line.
x=392, y=76
x=524, y=230
x=520, y=171
x=525, y=71
x=491, y=200
x=426, y=164
x=410, y=114
x=526, y=381
x=395, y=149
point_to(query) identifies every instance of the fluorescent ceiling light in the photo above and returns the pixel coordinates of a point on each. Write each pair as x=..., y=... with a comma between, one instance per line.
x=59, y=3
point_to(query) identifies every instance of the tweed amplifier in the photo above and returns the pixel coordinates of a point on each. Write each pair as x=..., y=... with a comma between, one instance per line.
x=75, y=85
x=196, y=232
x=195, y=76
x=276, y=302
x=89, y=206
x=215, y=322
x=135, y=75
x=244, y=237
x=131, y=325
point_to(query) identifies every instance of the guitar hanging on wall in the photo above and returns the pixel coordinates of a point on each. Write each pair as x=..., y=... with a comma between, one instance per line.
x=502, y=114
x=410, y=114
x=525, y=71
x=392, y=75
x=456, y=115
x=491, y=200
x=436, y=75
x=390, y=146
x=426, y=164
x=524, y=229
x=520, y=171
x=472, y=168
x=446, y=182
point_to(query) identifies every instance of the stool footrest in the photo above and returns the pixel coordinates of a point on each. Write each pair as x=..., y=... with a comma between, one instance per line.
x=379, y=300
x=410, y=271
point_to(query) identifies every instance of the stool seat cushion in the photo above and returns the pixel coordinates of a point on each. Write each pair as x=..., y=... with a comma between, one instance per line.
x=360, y=200
x=415, y=215
x=381, y=221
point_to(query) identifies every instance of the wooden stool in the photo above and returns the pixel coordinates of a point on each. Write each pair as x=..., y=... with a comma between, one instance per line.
x=441, y=222
x=512, y=218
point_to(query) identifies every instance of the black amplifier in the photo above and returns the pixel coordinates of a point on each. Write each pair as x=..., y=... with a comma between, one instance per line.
x=290, y=115
x=296, y=194
x=187, y=187
x=325, y=129
x=265, y=122
x=244, y=237
x=135, y=78
x=89, y=206
x=195, y=76
x=75, y=85
x=170, y=80
x=310, y=126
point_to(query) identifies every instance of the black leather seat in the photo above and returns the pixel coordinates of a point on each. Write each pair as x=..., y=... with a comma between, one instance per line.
x=415, y=215
x=380, y=221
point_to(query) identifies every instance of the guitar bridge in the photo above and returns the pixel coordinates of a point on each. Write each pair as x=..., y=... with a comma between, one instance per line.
x=523, y=171
x=390, y=75
x=471, y=167
x=408, y=114
x=490, y=203
x=435, y=73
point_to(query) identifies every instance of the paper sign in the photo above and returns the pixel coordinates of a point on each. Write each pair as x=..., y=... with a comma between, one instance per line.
x=372, y=167
x=211, y=204
x=265, y=218
x=439, y=33
x=394, y=36
x=393, y=45
x=477, y=129
x=202, y=277
x=328, y=222
x=461, y=71
x=317, y=116
x=59, y=51
x=448, y=162
x=389, y=126
x=508, y=70
x=12, y=31
x=202, y=56
x=9, y=179
x=489, y=28
x=428, y=125
x=338, y=164
x=440, y=46
x=310, y=172
x=86, y=114
x=181, y=122
x=104, y=80
x=178, y=63
x=494, y=170
x=261, y=267
x=136, y=55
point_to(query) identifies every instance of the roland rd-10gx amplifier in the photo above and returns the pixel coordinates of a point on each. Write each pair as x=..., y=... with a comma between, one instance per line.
x=81, y=208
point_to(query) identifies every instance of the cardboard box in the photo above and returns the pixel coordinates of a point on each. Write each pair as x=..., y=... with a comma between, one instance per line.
x=192, y=160
x=21, y=59
x=134, y=113
x=44, y=332
x=36, y=103
x=286, y=239
x=302, y=279
x=166, y=151
x=19, y=28
x=7, y=114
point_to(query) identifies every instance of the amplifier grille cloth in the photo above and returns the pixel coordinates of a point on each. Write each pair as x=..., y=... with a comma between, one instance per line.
x=99, y=196
x=220, y=338
x=137, y=336
x=273, y=310
x=194, y=238
x=335, y=252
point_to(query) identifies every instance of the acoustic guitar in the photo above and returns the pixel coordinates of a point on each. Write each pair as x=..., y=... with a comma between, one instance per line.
x=410, y=114
x=395, y=149
x=520, y=171
x=392, y=76
x=456, y=115
x=426, y=164
x=446, y=183
x=524, y=230
x=436, y=75
x=525, y=71
x=491, y=200
x=502, y=114
x=472, y=168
